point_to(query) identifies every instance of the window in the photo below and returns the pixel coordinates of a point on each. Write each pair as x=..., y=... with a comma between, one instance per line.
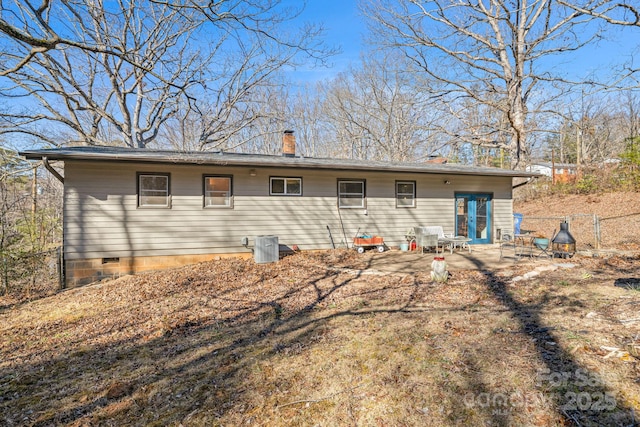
x=405, y=194
x=285, y=186
x=351, y=194
x=217, y=192
x=154, y=190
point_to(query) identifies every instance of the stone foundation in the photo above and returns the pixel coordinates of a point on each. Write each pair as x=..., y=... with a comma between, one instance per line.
x=83, y=271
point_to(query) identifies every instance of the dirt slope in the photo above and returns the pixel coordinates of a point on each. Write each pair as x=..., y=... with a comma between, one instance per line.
x=618, y=213
x=605, y=205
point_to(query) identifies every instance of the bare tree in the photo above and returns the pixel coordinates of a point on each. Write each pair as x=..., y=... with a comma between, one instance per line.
x=631, y=108
x=223, y=122
x=605, y=126
x=96, y=98
x=595, y=128
x=30, y=222
x=246, y=103
x=625, y=12
x=103, y=72
x=379, y=112
x=30, y=29
x=494, y=53
x=305, y=115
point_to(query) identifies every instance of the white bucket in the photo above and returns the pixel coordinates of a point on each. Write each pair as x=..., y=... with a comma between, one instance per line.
x=404, y=247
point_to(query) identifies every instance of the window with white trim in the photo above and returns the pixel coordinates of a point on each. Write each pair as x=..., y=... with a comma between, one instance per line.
x=351, y=194
x=405, y=194
x=282, y=186
x=154, y=190
x=218, y=192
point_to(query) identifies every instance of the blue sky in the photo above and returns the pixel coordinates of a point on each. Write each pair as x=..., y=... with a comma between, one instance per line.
x=345, y=28
x=344, y=25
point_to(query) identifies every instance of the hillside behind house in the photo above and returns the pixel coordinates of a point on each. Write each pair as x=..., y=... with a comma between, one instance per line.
x=618, y=215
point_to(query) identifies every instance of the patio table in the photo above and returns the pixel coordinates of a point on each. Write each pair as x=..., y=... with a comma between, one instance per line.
x=456, y=242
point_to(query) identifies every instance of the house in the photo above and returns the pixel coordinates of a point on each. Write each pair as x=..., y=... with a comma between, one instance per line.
x=558, y=172
x=129, y=210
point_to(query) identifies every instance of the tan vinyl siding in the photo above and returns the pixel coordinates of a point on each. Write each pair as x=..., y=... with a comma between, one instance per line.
x=102, y=218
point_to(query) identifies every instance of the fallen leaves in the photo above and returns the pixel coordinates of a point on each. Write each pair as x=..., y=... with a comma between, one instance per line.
x=202, y=342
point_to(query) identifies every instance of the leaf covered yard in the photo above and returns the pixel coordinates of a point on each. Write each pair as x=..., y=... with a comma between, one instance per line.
x=320, y=339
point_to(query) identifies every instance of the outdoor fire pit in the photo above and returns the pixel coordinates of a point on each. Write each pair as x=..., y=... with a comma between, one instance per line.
x=563, y=245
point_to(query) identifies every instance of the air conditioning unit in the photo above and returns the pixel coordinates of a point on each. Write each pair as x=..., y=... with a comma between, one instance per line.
x=266, y=249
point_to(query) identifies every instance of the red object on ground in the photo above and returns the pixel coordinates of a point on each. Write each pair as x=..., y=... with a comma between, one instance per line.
x=413, y=246
x=375, y=240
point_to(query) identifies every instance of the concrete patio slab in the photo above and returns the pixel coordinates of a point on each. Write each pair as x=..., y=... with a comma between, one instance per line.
x=485, y=257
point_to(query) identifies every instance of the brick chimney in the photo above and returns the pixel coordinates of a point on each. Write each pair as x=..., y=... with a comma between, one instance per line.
x=289, y=144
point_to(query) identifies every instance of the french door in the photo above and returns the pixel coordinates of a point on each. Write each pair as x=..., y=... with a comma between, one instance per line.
x=473, y=217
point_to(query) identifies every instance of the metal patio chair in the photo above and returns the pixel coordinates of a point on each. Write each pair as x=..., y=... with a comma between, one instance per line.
x=508, y=242
x=424, y=240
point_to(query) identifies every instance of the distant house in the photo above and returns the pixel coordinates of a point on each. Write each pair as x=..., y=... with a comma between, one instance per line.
x=129, y=210
x=559, y=172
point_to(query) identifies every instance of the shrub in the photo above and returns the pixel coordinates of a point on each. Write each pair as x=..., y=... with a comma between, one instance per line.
x=587, y=185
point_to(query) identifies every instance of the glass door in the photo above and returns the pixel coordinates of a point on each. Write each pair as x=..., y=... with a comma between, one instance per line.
x=473, y=217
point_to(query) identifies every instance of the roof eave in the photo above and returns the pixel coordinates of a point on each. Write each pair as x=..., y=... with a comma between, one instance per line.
x=274, y=162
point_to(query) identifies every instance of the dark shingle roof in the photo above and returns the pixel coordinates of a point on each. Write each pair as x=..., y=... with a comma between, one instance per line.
x=120, y=154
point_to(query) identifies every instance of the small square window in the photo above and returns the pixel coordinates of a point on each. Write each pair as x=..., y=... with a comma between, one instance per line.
x=280, y=186
x=405, y=194
x=153, y=190
x=351, y=194
x=217, y=192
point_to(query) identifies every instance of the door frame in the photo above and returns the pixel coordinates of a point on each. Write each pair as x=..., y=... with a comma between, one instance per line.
x=471, y=216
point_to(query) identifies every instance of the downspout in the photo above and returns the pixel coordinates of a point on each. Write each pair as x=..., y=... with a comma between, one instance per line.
x=45, y=162
x=62, y=274
x=528, y=181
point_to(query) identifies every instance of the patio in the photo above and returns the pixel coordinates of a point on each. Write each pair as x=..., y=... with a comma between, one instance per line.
x=481, y=257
